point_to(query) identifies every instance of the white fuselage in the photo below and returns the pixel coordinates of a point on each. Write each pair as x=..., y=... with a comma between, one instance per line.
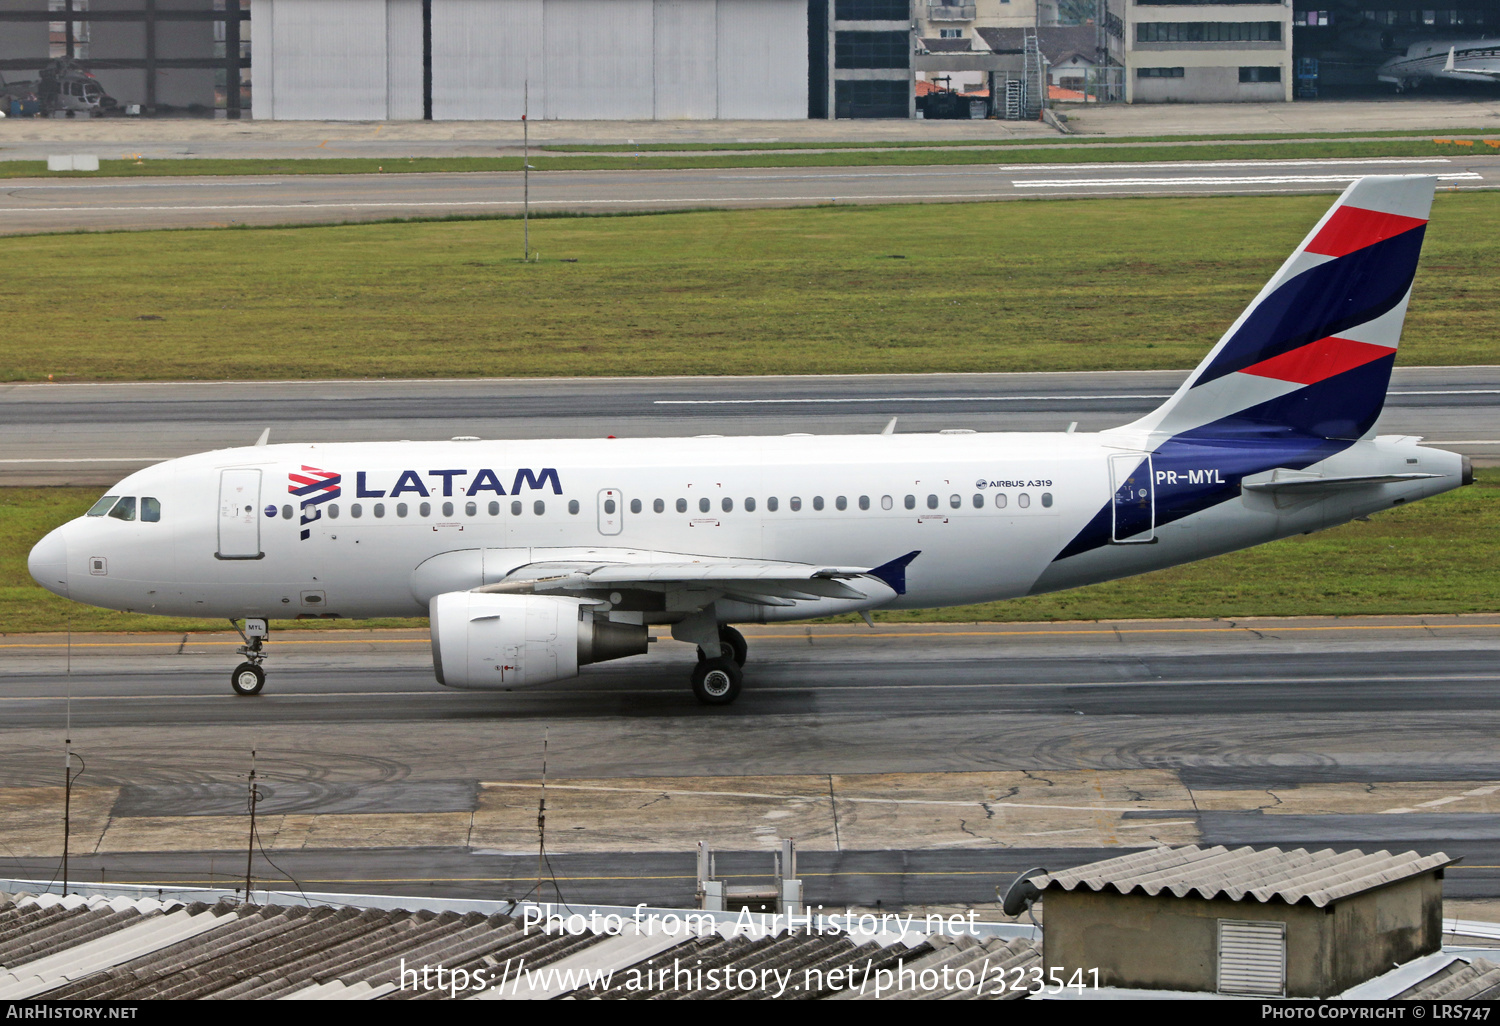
x=989, y=514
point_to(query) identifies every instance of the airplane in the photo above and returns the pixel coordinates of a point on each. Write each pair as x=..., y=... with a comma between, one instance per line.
x=1472, y=60
x=533, y=558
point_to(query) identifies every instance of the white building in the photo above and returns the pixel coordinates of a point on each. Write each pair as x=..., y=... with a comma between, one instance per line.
x=373, y=60
x=1202, y=52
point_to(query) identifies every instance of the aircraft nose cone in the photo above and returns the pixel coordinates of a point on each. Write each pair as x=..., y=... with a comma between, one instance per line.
x=48, y=563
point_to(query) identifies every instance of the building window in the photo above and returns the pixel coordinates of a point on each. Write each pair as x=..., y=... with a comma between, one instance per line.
x=872, y=50
x=873, y=99
x=1158, y=72
x=1208, y=32
x=1260, y=74
x=871, y=10
x=950, y=33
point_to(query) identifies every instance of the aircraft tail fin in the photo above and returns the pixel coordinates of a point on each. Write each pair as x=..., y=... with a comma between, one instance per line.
x=1312, y=354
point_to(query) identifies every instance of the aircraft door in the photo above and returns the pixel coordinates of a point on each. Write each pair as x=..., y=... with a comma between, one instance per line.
x=611, y=511
x=1134, y=506
x=239, y=514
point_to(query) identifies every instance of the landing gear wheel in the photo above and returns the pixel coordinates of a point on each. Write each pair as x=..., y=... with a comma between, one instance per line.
x=733, y=641
x=247, y=679
x=717, y=681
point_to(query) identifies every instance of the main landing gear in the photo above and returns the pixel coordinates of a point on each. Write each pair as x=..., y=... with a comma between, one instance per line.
x=248, y=677
x=716, y=681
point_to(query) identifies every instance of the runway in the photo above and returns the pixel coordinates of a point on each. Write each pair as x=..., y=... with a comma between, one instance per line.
x=34, y=205
x=95, y=434
x=915, y=765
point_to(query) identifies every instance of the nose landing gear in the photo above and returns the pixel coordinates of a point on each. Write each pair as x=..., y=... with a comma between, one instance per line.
x=248, y=677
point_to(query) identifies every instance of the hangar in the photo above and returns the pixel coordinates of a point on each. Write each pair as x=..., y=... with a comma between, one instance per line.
x=490, y=59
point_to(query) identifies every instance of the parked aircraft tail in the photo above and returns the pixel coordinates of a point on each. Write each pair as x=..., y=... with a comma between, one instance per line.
x=1312, y=355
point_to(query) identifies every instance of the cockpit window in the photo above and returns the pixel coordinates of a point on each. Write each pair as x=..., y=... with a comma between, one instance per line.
x=150, y=509
x=124, y=509
x=102, y=506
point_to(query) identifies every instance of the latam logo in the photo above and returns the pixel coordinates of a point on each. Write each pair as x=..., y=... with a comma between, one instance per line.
x=314, y=487
x=451, y=482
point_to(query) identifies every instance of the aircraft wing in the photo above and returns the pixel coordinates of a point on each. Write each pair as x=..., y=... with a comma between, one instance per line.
x=767, y=582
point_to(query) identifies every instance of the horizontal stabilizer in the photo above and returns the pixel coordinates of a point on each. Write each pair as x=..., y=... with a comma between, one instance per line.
x=1313, y=483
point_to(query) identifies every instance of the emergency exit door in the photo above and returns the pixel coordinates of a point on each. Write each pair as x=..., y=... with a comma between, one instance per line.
x=239, y=514
x=1134, y=498
x=611, y=511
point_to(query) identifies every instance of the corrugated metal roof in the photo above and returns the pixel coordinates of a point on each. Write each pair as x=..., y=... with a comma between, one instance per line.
x=1265, y=875
x=130, y=949
x=991, y=967
x=1478, y=980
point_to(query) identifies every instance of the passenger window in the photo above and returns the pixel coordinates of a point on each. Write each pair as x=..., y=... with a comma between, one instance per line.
x=658, y=506
x=999, y=500
x=978, y=501
x=704, y=505
x=794, y=503
x=286, y=513
x=539, y=507
x=911, y=502
x=932, y=502
x=609, y=506
x=635, y=505
x=471, y=509
x=515, y=508
x=773, y=504
x=494, y=509
x=151, y=509
x=727, y=504
x=818, y=502
x=864, y=502
x=333, y=511
x=682, y=505
x=102, y=506
x=379, y=510
x=841, y=503
x=1047, y=499
x=750, y=505
x=424, y=509
x=1023, y=500
x=447, y=509
x=125, y=509
x=401, y=509
x=356, y=510
x=573, y=507
x=955, y=501
x=886, y=502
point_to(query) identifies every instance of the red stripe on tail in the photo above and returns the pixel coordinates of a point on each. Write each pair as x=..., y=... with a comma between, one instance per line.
x=1318, y=361
x=1352, y=228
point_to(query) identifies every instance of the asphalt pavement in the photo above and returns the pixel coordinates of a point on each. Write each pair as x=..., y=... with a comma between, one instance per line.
x=1364, y=732
x=94, y=434
x=34, y=205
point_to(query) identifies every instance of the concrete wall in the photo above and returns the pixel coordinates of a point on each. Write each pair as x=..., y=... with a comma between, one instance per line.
x=1219, y=84
x=578, y=59
x=1168, y=943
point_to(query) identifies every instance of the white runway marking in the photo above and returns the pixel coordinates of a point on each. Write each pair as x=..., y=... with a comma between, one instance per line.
x=983, y=398
x=1106, y=183
x=93, y=459
x=902, y=399
x=940, y=169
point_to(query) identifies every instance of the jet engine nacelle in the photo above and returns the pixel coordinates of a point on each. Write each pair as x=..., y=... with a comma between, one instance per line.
x=481, y=640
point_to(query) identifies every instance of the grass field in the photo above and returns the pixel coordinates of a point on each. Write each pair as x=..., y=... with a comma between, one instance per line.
x=1018, y=286
x=839, y=156
x=1435, y=556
